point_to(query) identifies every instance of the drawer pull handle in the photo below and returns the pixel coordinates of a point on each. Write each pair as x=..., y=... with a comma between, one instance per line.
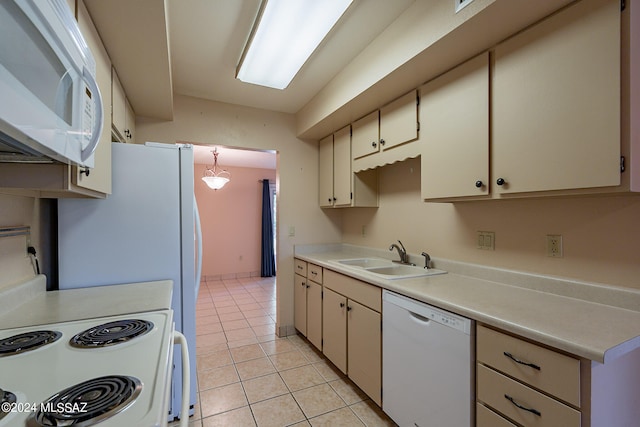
x=315, y=273
x=524, y=408
x=531, y=365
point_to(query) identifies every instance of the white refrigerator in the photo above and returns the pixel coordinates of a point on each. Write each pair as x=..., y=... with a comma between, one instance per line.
x=147, y=230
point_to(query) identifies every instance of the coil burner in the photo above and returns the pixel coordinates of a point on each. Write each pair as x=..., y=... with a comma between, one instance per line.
x=89, y=402
x=111, y=333
x=6, y=397
x=28, y=341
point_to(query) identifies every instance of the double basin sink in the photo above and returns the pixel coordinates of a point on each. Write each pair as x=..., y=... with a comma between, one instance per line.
x=388, y=270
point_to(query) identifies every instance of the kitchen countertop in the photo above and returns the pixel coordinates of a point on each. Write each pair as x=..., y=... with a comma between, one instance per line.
x=567, y=315
x=29, y=304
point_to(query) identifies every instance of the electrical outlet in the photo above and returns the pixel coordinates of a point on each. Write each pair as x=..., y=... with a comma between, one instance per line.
x=292, y=231
x=554, y=245
x=486, y=240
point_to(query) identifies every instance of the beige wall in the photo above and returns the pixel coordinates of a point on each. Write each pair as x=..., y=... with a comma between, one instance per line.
x=200, y=121
x=15, y=264
x=601, y=235
x=231, y=221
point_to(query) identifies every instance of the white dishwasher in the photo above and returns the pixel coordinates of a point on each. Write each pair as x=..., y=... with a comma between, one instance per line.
x=427, y=364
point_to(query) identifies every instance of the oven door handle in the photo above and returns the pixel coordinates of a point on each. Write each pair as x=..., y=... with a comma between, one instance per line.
x=178, y=338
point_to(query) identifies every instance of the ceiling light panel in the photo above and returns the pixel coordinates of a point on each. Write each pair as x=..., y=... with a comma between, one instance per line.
x=288, y=32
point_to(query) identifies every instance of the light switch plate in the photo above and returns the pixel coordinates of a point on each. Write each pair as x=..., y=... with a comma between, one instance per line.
x=486, y=240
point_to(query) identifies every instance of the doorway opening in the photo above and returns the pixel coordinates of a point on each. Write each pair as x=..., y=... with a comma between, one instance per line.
x=231, y=216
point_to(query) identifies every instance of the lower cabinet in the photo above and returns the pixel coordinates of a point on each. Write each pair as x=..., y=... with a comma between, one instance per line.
x=307, y=295
x=525, y=383
x=352, y=340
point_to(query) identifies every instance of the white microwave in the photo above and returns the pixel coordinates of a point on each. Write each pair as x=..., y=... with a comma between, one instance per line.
x=50, y=105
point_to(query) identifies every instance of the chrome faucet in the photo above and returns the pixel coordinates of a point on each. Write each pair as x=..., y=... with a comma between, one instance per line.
x=427, y=260
x=404, y=257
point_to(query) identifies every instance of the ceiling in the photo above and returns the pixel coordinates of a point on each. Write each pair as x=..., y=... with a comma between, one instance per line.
x=228, y=156
x=192, y=47
x=207, y=38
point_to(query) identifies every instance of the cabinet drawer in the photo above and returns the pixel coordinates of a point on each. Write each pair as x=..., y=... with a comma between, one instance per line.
x=365, y=294
x=496, y=390
x=300, y=267
x=485, y=417
x=314, y=272
x=558, y=375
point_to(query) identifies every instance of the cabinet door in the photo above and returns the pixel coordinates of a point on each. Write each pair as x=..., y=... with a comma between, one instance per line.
x=99, y=178
x=364, y=349
x=314, y=314
x=325, y=167
x=334, y=328
x=130, y=124
x=556, y=102
x=365, y=138
x=300, y=304
x=399, y=121
x=119, y=107
x=342, y=177
x=454, y=117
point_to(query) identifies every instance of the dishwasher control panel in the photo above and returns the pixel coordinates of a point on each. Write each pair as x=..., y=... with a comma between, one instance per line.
x=421, y=310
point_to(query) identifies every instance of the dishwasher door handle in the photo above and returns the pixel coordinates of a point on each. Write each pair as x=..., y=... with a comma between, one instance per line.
x=419, y=318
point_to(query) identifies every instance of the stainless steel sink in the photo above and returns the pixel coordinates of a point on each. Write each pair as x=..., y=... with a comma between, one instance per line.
x=365, y=262
x=386, y=269
x=401, y=271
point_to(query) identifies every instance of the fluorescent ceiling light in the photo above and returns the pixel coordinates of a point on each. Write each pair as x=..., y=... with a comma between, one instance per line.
x=287, y=33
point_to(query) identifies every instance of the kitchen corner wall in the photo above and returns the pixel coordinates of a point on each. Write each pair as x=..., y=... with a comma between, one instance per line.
x=232, y=222
x=15, y=264
x=601, y=235
x=205, y=122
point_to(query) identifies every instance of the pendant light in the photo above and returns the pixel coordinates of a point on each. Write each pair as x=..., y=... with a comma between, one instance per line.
x=212, y=177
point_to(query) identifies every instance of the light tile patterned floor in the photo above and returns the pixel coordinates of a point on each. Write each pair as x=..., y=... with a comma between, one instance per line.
x=247, y=376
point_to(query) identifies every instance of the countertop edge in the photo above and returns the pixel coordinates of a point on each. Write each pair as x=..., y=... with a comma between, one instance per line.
x=598, y=353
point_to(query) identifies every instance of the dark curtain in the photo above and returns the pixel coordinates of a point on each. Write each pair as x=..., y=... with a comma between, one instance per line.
x=268, y=262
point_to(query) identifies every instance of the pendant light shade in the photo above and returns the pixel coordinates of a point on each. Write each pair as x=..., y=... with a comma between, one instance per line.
x=212, y=177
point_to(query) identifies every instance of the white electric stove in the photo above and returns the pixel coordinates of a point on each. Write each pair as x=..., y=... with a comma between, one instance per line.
x=126, y=382
x=134, y=368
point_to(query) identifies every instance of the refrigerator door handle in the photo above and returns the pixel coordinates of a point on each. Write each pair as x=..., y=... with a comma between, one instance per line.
x=198, y=230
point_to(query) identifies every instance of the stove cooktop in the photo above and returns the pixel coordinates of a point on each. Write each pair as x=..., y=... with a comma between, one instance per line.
x=121, y=378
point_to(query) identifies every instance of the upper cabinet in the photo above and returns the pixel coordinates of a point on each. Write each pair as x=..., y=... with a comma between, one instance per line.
x=546, y=112
x=385, y=136
x=454, y=114
x=123, y=119
x=338, y=185
x=556, y=103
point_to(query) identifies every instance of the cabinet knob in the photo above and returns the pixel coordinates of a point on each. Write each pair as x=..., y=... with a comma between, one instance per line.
x=374, y=144
x=334, y=199
x=501, y=181
x=348, y=308
x=479, y=184
x=329, y=200
x=303, y=284
x=308, y=286
x=382, y=141
x=341, y=305
x=86, y=171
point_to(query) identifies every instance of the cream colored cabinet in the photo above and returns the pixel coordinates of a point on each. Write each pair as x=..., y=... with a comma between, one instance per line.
x=386, y=136
x=454, y=113
x=556, y=103
x=352, y=330
x=123, y=120
x=526, y=383
x=61, y=180
x=366, y=135
x=338, y=186
x=308, y=301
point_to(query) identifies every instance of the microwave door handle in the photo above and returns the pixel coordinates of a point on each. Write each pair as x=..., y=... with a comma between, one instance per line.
x=98, y=122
